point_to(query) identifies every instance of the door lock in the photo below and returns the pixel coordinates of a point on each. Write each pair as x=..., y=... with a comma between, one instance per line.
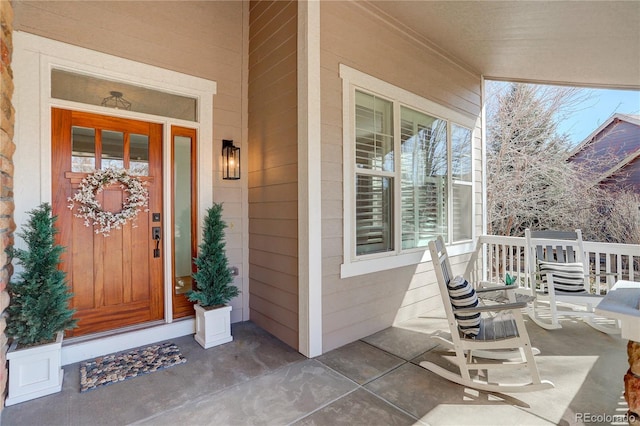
x=155, y=233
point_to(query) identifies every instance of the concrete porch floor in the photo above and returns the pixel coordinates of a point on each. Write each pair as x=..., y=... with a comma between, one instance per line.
x=257, y=380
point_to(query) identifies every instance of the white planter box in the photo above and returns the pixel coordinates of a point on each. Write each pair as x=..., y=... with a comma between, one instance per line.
x=34, y=371
x=213, y=327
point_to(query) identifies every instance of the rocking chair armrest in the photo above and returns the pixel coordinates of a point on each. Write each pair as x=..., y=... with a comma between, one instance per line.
x=603, y=274
x=495, y=288
x=493, y=308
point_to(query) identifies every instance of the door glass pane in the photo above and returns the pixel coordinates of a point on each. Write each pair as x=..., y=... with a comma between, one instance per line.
x=374, y=214
x=112, y=149
x=83, y=156
x=139, y=154
x=182, y=213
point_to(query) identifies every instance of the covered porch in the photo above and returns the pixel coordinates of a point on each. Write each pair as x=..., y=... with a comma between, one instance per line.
x=256, y=379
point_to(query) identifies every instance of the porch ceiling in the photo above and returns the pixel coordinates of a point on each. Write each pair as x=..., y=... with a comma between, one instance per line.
x=584, y=43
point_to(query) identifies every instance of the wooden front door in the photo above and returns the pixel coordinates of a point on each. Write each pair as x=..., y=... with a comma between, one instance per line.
x=116, y=279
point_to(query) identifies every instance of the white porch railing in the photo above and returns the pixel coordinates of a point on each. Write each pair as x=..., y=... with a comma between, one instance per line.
x=496, y=256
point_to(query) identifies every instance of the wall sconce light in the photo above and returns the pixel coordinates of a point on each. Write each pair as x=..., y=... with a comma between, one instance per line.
x=230, y=160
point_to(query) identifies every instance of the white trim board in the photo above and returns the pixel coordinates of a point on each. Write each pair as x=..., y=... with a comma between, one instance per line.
x=76, y=352
x=309, y=181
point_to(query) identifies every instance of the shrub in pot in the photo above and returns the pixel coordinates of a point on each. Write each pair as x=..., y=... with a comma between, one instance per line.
x=213, y=283
x=38, y=311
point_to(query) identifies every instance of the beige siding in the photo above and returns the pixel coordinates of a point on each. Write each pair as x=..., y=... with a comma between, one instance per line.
x=273, y=168
x=206, y=39
x=203, y=39
x=357, y=306
x=199, y=38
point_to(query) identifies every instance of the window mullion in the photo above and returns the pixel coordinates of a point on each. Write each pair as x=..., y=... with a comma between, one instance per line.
x=449, y=186
x=397, y=181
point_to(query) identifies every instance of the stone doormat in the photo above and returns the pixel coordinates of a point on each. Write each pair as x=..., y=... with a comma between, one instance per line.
x=116, y=368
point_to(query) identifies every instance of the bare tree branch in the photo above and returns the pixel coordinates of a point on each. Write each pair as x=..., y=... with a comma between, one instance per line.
x=530, y=183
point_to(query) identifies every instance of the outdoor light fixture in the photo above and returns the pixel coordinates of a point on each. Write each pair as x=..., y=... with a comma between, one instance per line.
x=230, y=160
x=116, y=101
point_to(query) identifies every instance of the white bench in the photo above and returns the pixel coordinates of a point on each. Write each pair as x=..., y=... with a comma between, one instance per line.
x=622, y=302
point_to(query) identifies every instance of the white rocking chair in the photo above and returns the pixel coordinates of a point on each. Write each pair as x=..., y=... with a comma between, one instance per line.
x=500, y=337
x=558, y=276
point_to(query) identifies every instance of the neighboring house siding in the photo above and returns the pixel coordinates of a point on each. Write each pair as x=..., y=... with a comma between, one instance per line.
x=352, y=35
x=273, y=168
x=613, y=155
x=626, y=179
x=205, y=39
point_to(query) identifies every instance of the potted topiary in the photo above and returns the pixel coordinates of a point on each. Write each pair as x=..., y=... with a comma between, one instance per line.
x=213, y=288
x=38, y=312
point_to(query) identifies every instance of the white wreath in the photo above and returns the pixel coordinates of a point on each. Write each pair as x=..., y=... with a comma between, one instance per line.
x=92, y=212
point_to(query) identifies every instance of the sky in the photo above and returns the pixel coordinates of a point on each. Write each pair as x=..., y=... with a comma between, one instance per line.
x=601, y=105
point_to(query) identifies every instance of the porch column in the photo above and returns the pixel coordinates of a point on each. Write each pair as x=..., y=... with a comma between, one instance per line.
x=632, y=382
x=309, y=181
x=7, y=148
x=622, y=303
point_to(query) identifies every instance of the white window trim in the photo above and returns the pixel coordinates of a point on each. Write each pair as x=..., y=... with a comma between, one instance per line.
x=358, y=265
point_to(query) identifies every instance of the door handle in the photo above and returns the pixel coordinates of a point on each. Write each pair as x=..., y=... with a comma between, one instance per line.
x=155, y=234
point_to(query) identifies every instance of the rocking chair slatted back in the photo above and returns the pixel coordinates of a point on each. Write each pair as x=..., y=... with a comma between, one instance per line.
x=562, y=249
x=455, y=296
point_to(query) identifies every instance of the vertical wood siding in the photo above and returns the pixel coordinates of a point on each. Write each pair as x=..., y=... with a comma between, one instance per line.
x=273, y=168
x=352, y=35
x=199, y=38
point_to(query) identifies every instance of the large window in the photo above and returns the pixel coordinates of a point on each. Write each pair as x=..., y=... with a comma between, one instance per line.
x=408, y=172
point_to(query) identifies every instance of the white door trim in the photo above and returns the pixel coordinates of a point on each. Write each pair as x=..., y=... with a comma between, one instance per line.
x=33, y=59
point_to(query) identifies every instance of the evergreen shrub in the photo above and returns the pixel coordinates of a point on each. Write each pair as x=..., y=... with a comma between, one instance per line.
x=39, y=297
x=213, y=277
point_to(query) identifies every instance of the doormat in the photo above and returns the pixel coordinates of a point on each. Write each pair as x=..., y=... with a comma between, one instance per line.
x=115, y=368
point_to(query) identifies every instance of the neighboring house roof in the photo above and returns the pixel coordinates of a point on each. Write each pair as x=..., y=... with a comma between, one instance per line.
x=618, y=137
x=631, y=118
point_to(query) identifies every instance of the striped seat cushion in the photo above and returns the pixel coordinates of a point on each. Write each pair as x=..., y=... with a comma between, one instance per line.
x=462, y=295
x=567, y=277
